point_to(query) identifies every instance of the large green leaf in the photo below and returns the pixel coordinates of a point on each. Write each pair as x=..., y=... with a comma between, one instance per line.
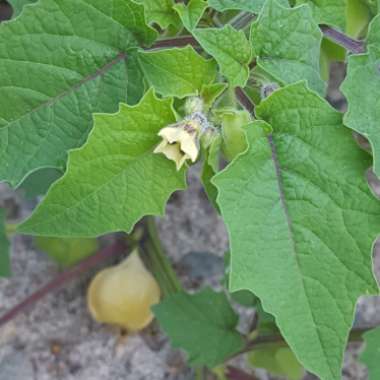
x=203, y=324
x=287, y=42
x=371, y=354
x=231, y=50
x=4, y=247
x=114, y=179
x=362, y=90
x=57, y=67
x=17, y=5
x=302, y=223
x=177, y=72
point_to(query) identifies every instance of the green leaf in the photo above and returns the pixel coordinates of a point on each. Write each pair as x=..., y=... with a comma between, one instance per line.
x=302, y=223
x=161, y=12
x=371, y=354
x=136, y=86
x=330, y=12
x=57, y=67
x=177, y=72
x=210, y=92
x=38, y=183
x=253, y=6
x=287, y=42
x=191, y=13
x=358, y=16
x=231, y=50
x=203, y=324
x=347, y=15
x=17, y=5
x=278, y=360
x=114, y=179
x=5, y=266
x=362, y=90
x=66, y=251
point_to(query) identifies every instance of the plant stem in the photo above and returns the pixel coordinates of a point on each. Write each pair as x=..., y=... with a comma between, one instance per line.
x=354, y=46
x=179, y=41
x=244, y=100
x=158, y=260
x=115, y=249
x=242, y=20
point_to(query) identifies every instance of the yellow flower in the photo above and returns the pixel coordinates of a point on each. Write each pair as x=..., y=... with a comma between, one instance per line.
x=180, y=142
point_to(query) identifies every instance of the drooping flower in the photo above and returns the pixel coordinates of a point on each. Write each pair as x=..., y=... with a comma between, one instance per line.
x=180, y=141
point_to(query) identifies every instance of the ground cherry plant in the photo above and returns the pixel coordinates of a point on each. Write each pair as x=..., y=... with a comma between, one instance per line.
x=105, y=105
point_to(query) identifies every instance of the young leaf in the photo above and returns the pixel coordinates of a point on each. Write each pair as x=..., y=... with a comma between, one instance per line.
x=191, y=13
x=278, y=360
x=17, y=5
x=4, y=248
x=371, y=354
x=231, y=50
x=287, y=42
x=160, y=11
x=362, y=90
x=57, y=67
x=211, y=321
x=242, y=5
x=114, y=179
x=302, y=223
x=66, y=251
x=210, y=92
x=177, y=72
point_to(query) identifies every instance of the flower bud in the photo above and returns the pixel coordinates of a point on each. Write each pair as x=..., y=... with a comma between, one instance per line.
x=194, y=105
x=124, y=294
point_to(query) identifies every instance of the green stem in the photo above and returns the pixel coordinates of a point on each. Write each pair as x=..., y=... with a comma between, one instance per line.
x=158, y=260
